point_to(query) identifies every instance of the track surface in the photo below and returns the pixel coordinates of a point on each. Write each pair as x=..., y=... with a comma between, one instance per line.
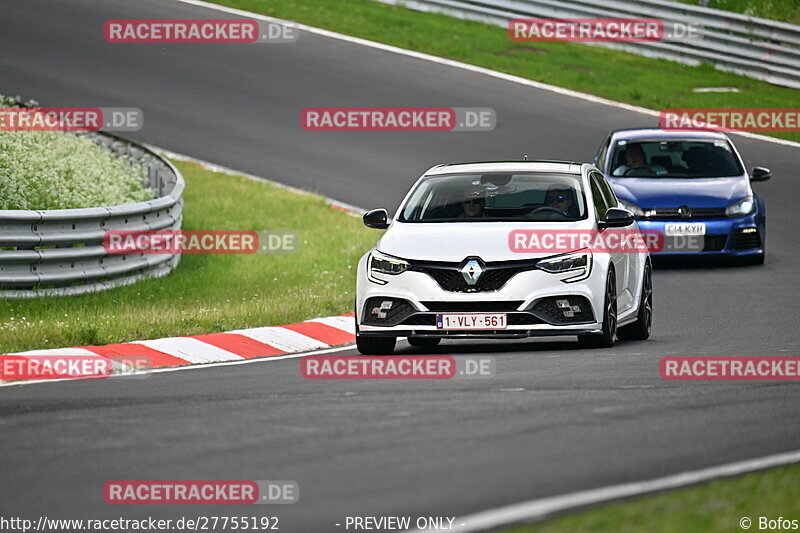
x=555, y=419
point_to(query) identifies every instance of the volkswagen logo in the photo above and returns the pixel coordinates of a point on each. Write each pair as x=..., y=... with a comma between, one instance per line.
x=472, y=271
x=685, y=212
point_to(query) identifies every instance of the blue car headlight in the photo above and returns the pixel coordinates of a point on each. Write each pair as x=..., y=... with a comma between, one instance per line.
x=743, y=207
x=633, y=208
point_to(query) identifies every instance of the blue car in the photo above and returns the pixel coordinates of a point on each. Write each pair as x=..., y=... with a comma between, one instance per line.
x=692, y=187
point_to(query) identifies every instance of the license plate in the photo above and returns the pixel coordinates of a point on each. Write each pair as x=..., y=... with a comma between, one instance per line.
x=471, y=321
x=672, y=230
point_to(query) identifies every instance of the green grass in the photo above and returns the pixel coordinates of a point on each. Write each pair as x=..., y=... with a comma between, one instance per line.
x=211, y=293
x=652, y=83
x=715, y=507
x=783, y=10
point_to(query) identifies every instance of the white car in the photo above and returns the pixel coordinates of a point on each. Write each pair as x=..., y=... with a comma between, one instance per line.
x=446, y=267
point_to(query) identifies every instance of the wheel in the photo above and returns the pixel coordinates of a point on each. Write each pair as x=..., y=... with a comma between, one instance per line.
x=375, y=345
x=424, y=342
x=640, y=330
x=606, y=338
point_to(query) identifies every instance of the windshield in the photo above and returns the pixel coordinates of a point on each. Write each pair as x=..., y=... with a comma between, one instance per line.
x=675, y=159
x=529, y=197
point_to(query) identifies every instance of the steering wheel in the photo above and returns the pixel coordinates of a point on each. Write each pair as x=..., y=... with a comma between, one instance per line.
x=645, y=168
x=548, y=208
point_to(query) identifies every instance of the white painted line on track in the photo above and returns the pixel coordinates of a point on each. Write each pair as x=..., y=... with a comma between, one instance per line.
x=463, y=66
x=535, y=510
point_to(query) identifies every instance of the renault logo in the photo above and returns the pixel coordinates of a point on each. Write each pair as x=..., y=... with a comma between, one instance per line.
x=472, y=271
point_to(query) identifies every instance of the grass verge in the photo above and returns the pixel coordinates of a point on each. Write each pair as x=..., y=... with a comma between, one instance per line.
x=715, y=507
x=211, y=293
x=652, y=83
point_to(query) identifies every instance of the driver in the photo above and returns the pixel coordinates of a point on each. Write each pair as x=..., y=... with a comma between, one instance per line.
x=473, y=204
x=635, y=158
x=557, y=198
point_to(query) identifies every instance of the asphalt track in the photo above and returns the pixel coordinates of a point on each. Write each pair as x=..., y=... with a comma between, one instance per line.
x=554, y=419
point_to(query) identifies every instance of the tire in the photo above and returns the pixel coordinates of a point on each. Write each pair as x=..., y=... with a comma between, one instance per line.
x=640, y=330
x=609, y=334
x=424, y=342
x=375, y=345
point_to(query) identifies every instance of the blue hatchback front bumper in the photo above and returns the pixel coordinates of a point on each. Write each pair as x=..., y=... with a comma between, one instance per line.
x=739, y=236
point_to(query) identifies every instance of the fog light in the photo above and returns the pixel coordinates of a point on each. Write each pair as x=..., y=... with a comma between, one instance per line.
x=563, y=304
x=576, y=308
x=569, y=314
x=748, y=230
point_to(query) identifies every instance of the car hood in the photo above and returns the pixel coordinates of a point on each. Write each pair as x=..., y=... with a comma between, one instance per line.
x=664, y=192
x=452, y=242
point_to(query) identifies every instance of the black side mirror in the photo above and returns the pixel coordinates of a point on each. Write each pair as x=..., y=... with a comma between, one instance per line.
x=377, y=218
x=760, y=174
x=616, y=218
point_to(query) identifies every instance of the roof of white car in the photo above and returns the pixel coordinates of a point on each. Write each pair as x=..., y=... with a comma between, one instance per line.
x=637, y=134
x=507, y=166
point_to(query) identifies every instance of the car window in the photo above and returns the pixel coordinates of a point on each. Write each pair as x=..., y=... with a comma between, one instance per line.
x=602, y=153
x=695, y=158
x=611, y=198
x=496, y=196
x=599, y=200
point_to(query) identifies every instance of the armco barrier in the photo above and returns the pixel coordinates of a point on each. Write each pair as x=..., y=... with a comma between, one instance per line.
x=755, y=47
x=60, y=252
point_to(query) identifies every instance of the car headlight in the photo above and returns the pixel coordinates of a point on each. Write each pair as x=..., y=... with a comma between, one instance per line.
x=379, y=263
x=745, y=206
x=633, y=208
x=578, y=262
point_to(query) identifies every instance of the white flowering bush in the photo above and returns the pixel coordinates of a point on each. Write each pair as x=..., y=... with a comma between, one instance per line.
x=58, y=170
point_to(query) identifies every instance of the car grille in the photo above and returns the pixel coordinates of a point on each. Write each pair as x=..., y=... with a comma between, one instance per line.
x=495, y=275
x=714, y=243
x=746, y=239
x=472, y=307
x=697, y=213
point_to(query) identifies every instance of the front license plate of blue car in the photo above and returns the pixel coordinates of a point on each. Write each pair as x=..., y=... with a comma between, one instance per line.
x=472, y=321
x=675, y=229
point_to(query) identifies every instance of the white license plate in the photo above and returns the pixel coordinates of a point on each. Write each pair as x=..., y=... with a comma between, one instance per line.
x=471, y=321
x=672, y=230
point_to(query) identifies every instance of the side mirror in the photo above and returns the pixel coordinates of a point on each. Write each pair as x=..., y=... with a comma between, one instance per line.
x=616, y=218
x=377, y=218
x=760, y=174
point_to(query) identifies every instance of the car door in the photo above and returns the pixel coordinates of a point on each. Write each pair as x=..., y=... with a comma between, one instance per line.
x=604, y=199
